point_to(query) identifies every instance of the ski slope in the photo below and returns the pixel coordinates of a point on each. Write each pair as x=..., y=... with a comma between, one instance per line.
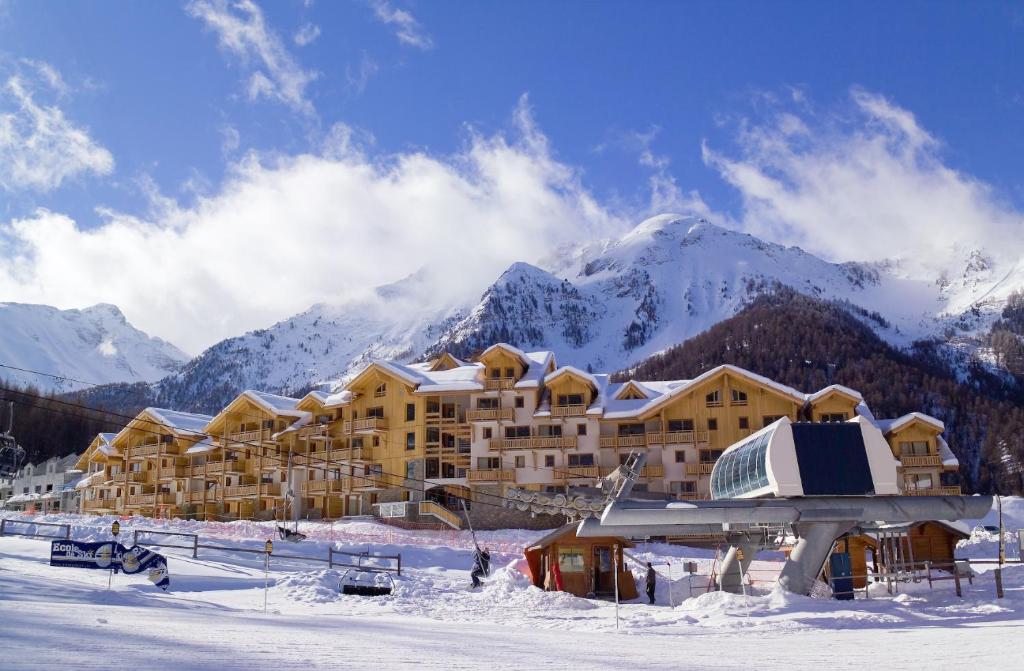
x=212, y=617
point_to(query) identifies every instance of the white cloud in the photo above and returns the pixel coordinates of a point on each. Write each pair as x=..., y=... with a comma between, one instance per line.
x=284, y=232
x=866, y=182
x=307, y=34
x=40, y=147
x=359, y=75
x=243, y=32
x=407, y=29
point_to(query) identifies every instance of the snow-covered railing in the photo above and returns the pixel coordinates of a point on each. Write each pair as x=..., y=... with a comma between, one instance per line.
x=5, y=530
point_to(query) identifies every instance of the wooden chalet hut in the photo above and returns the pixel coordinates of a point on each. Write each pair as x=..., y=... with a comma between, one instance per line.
x=584, y=567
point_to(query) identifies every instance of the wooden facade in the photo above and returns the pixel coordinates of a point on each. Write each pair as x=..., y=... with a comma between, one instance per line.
x=582, y=566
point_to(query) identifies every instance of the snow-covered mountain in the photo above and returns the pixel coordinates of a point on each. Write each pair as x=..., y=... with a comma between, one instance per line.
x=93, y=345
x=606, y=305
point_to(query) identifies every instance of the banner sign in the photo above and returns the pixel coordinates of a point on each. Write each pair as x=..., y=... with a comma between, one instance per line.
x=112, y=556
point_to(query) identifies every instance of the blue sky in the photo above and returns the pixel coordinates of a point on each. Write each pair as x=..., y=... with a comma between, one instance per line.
x=138, y=128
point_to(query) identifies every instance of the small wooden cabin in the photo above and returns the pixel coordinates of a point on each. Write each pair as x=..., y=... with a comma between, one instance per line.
x=586, y=565
x=933, y=541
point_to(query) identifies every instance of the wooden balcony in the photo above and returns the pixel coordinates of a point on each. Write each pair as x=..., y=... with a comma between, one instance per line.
x=100, y=504
x=486, y=414
x=245, y=436
x=677, y=437
x=499, y=383
x=173, y=472
x=315, y=431
x=934, y=491
x=365, y=425
x=246, y=491
x=322, y=487
x=199, y=497
x=702, y=468
x=141, y=500
x=132, y=476
x=639, y=440
x=491, y=475
x=533, y=443
x=653, y=471
x=143, y=451
x=568, y=410
x=579, y=472
x=927, y=460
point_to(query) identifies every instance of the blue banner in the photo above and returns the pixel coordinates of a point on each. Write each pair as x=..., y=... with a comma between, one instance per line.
x=112, y=556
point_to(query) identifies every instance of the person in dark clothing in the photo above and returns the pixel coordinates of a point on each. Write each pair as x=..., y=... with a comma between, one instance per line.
x=480, y=565
x=652, y=581
x=486, y=563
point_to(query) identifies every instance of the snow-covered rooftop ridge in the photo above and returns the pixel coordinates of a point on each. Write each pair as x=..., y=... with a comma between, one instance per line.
x=566, y=370
x=273, y=402
x=107, y=437
x=468, y=377
x=201, y=447
x=889, y=425
x=825, y=391
x=538, y=364
x=183, y=422
x=512, y=349
x=949, y=459
x=337, y=398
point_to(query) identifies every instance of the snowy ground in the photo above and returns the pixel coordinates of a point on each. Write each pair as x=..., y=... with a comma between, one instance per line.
x=212, y=617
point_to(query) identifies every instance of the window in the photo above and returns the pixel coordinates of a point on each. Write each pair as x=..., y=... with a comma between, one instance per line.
x=410, y=412
x=432, y=468
x=549, y=460
x=549, y=430
x=680, y=457
x=377, y=411
x=381, y=390
x=743, y=470
x=519, y=401
x=683, y=487
x=631, y=429
x=410, y=440
x=570, y=399
x=623, y=458
x=709, y=456
x=323, y=419
x=919, y=481
x=488, y=463
x=357, y=443
x=833, y=417
x=517, y=432
x=712, y=424
x=495, y=372
x=581, y=460
x=376, y=441
x=915, y=448
x=581, y=429
x=739, y=397
x=520, y=461
x=744, y=423
x=714, y=398
x=487, y=403
x=680, y=425
x=433, y=435
x=510, y=372
x=487, y=433
x=410, y=470
x=771, y=419
x=570, y=560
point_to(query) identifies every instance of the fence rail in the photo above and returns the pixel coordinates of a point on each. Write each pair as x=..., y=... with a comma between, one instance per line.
x=5, y=523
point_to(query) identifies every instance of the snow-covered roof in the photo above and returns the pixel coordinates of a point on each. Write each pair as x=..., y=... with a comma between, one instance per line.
x=90, y=480
x=461, y=378
x=949, y=459
x=537, y=366
x=279, y=405
x=511, y=349
x=822, y=393
x=203, y=446
x=181, y=422
x=342, y=397
x=573, y=370
x=890, y=425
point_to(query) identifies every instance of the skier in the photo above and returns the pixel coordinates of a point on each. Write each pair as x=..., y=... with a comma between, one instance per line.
x=479, y=566
x=486, y=556
x=652, y=579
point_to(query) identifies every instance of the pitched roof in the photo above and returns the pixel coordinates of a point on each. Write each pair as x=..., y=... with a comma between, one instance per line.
x=834, y=388
x=890, y=425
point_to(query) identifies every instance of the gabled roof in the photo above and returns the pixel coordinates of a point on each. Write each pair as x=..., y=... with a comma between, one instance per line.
x=573, y=372
x=511, y=349
x=539, y=363
x=273, y=403
x=185, y=423
x=890, y=425
x=852, y=394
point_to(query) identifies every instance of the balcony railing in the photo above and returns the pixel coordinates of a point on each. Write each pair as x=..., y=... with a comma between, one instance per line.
x=927, y=460
x=499, y=383
x=365, y=425
x=246, y=436
x=100, y=504
x=200, y=497
x=491, y=475
x=315, y=431
x=245, y=491
x=533, y=443
x=133, y=476
x=653, y=471
x=580, y=472
x=636, y=440
x=568, y=410
x=933, y=491
x=173, y=472
x=314, y=487
x=703, y=468
x=142, y=500
x=677, y=437
x=218, y=467
x=142, y=451
x=484, y=414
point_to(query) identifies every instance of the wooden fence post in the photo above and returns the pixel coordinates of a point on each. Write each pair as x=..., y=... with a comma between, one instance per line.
x=330, y=556
x=956, y=581
x=399, y=566
x=195, y=546
x=3, y=525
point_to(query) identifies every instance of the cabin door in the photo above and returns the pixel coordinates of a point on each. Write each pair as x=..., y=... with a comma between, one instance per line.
x=604, y=570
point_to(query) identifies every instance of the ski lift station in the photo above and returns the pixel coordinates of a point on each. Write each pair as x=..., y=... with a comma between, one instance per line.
x=815, y=482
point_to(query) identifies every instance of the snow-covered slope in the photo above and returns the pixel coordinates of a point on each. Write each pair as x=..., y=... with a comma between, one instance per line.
x=93, y=345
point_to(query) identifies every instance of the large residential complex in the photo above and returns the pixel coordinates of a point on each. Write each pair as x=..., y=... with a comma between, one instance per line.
x=409, y=440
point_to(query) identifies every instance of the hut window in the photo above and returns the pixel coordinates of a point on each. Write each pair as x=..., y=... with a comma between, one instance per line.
x=581, y=460
x=377, y=411
x=495, y=373
x=381, y=389
x=549, y=430
x=680, y=457
x=520, y=461
x=519, y=401
x=487, y=433
x=744, y=423
x=833, y=417
x=713, y=399
x=739, y=397
x=488, y=463
x=570, y=560
x=433, y=435
x=510, y=372
x=570, y=399
x=410, y=440
x=581, y=429
x=487, y=403
x=549, y=461
x=410, y=412
x=916, y=448
x=712, y=424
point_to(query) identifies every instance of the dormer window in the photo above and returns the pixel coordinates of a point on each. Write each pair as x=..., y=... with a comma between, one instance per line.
x=739, y=397
x=381, y=390
x=510, y=372
x=495, y=373
x=713, y=399
x=570, y=399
